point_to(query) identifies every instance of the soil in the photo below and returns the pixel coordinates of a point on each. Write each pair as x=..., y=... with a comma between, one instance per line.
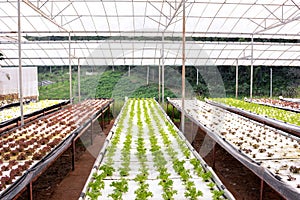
x=59, y=182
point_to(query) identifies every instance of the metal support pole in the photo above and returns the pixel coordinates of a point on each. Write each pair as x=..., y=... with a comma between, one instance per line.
x=129, y=71
x=159, y=77
x=214, y=157
x=163, y=69
x=20, y=64
x=73, y=154
x=197, y=76
x=261, y=189
x=183, y=67
x=251, y=73
x=236, y=79
x=70, y=68
x=78, y=70
x=29, y=191
x=102, y=116
x=92, y=129
x=271, y=82
x=147, y=75
x=173, y=112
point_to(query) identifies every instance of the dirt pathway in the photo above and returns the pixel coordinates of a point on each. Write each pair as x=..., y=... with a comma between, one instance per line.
x=59, y=182
x=71, y=186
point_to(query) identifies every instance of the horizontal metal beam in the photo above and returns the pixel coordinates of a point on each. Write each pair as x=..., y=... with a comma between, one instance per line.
x=148, y=58
x=145, y=42
x=159, y=1
x=122, y=33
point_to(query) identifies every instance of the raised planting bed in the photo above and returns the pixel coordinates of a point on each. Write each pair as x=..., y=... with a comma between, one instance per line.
x=146, y=157
x=285, y=105
x=26, y=151
x=10, y=103
x=252, y=143
x=275, y=113
x=12, y=115
x=290, y=99
x=281, y=125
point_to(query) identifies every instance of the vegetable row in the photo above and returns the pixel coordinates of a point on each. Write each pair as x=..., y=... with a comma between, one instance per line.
x=292, y=106
x=147, y=159
x=276, y=113
x=14, y=112
x=4, y=103
x=257, y=141
x=23, y=147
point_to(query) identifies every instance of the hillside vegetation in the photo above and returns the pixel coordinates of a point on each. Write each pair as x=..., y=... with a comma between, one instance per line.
x=118, y=84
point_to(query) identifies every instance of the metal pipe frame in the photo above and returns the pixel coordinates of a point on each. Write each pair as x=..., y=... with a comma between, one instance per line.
x=183, y=69
x=20, y=64
x=236, y=79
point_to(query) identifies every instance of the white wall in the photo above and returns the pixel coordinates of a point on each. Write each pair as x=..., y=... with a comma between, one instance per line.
x=11, y=85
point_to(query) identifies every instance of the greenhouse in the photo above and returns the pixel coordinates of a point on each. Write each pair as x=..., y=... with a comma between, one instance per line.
x=139, y=99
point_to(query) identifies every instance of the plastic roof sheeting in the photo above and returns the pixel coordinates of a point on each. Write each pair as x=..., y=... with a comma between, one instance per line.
x=110, y=52
x=276, y=19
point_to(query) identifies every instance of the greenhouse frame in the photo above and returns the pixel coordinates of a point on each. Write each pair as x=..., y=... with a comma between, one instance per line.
x=148, y=34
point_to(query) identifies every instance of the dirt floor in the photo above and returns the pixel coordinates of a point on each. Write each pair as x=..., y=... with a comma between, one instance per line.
x=59, y=182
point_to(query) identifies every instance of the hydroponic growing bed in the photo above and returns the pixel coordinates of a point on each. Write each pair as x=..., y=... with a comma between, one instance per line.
x=289, y=99
x=262, y=114
x=275, y=113
x=25, y=152
x=11, y=103
x=12, y=115
x=285, y=105
x=271, y=154
x=146, y=157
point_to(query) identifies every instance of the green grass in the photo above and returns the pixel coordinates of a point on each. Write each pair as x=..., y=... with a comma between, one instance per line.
x=59, y=90
x=279, y=114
